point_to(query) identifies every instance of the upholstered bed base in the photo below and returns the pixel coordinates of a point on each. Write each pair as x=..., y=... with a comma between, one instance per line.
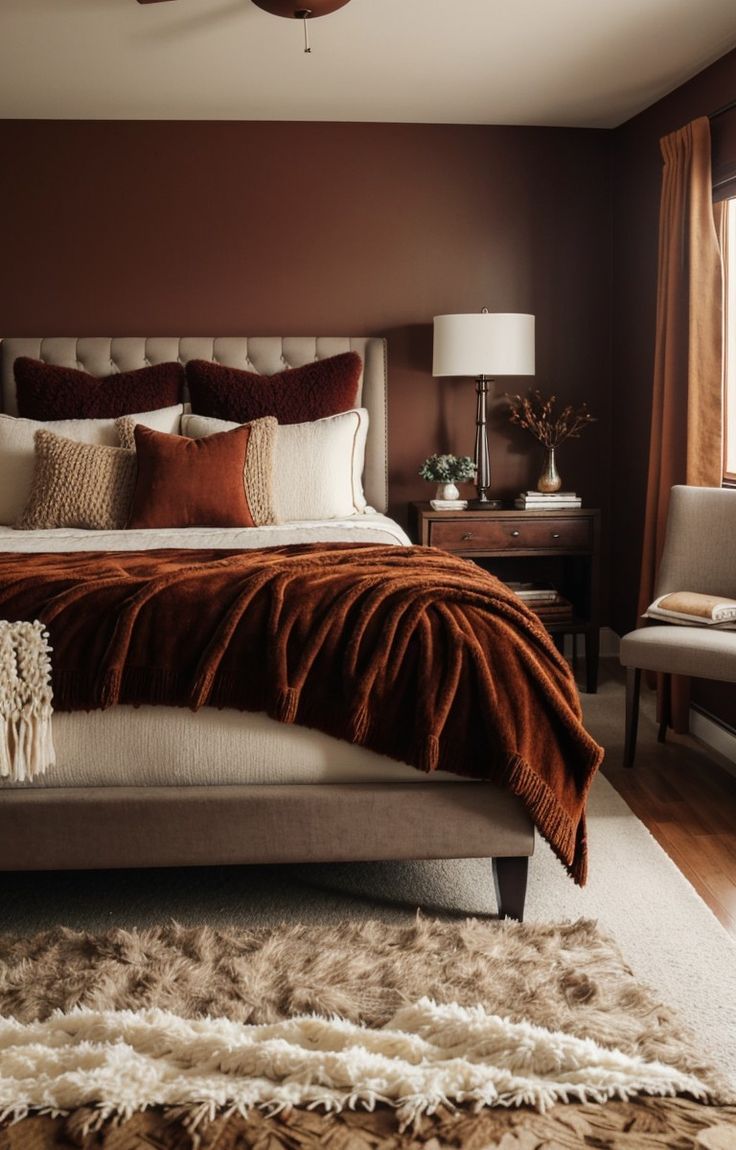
x=155, y=826
x=111, y=827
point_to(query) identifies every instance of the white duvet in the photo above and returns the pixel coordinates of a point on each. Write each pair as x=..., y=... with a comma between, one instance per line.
x=370, y=527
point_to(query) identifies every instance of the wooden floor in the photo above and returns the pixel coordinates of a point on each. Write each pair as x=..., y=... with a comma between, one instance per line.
x=688, y=802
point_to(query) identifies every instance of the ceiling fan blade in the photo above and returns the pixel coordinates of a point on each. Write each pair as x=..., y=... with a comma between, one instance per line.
x=151, y=1
x=300, y=8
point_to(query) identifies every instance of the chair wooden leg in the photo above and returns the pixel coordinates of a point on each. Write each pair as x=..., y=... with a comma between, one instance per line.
x=665, y=707
x=633, y=684
x=510, y=878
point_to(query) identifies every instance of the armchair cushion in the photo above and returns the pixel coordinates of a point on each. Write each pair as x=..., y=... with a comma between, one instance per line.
x=701, y=652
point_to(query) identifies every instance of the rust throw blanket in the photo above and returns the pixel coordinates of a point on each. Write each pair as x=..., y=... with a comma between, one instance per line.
x=412, y=652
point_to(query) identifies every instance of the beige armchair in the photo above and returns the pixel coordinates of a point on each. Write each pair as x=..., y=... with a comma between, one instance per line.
x=699, y=555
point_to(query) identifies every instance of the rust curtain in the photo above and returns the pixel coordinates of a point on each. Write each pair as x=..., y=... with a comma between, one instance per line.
x=686, y=438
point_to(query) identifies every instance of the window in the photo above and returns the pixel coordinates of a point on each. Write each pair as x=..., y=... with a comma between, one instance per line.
x=729, y=359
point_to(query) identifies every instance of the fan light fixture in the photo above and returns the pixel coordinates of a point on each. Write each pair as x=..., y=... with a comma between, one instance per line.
x=295, y=11
x=292, y=10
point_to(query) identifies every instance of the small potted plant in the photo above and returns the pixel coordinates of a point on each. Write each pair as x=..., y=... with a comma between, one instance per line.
x=446, y=471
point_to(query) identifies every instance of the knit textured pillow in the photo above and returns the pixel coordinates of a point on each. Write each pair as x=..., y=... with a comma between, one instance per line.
x=78, y=485
x=258, y=473
x=46, y=391
x=190, y=482
x=314, y=391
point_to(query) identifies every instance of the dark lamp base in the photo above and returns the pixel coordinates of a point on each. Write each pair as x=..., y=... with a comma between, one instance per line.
x=485, y=505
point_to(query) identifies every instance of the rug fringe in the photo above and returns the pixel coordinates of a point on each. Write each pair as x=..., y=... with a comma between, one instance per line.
x=197, y=1116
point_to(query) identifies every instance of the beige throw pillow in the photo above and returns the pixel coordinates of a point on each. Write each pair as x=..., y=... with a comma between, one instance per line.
x=78, y=485
x=259, y=463
x=17, y=449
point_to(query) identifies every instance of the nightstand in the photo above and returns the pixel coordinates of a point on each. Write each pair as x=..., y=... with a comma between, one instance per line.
x=561, y=547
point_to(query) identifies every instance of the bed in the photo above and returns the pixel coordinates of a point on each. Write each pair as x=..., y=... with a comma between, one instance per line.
x=164, y=787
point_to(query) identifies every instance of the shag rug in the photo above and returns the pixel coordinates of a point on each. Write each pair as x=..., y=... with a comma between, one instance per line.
x=452, y=1034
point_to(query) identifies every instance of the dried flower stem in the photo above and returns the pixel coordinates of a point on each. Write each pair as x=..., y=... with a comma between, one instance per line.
x=536, y=414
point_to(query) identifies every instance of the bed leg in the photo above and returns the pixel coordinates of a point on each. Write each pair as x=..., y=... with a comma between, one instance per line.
x=509, y=879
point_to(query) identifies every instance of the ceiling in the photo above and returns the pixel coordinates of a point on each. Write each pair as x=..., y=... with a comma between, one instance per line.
x=582, y=63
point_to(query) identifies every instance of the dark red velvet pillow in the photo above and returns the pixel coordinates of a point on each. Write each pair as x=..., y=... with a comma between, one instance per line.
x=46, y=391
x=185, y=482
x=325, y=387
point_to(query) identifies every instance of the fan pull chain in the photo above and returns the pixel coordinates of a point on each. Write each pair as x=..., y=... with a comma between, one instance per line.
x=304, y=14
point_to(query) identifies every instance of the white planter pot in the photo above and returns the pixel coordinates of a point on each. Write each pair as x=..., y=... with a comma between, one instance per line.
x=447, y=491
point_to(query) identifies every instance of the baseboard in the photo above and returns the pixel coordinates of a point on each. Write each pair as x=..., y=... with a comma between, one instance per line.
x=715, y=735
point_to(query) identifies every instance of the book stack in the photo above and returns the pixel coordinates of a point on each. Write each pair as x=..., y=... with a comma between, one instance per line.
x=538, y=501
x=545, y=601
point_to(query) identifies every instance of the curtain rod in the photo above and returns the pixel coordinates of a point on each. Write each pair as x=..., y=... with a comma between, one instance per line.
x=721, y=111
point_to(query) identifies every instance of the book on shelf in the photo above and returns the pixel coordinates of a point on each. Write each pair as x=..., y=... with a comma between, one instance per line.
x=534, y=592
x=557, y=606
x=559, y=603
x=563, y=609
x=544, y=600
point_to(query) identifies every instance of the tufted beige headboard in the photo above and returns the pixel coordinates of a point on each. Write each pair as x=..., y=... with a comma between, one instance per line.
x=100, y=355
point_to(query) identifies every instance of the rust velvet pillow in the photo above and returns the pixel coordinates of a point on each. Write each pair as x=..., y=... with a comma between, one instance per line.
x=299, y=395
x=46, y=391
x=190, y=482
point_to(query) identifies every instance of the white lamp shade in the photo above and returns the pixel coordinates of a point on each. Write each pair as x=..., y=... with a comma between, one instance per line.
x=484, y=343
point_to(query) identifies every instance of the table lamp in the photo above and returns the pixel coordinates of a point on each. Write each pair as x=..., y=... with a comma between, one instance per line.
x=485, y=345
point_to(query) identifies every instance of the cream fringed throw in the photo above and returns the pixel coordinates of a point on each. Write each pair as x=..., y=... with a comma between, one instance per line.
x=26, y=744
x=425, y=1057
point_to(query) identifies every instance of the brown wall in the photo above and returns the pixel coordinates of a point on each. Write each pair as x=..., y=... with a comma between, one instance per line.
x=636, y=177
x=265, y=228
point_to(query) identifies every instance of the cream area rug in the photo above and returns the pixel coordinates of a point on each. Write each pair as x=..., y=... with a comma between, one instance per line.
x=189, y=1030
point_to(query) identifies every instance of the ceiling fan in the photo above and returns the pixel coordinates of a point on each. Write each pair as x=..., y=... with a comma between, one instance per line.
x=290, y=8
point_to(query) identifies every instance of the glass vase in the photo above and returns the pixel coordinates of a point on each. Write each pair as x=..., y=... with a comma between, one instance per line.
x=549, y=480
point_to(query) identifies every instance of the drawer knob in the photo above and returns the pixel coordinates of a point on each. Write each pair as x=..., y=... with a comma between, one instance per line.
x=515, y=534
x=467, y=534
x=555, y=535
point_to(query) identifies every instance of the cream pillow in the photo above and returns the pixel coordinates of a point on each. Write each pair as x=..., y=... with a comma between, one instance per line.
x=259, y=462
x=76, y=484
x=318, y=466
x=17, y=454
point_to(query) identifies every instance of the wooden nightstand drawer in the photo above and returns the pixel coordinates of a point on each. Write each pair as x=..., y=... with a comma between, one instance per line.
x=512, y=534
